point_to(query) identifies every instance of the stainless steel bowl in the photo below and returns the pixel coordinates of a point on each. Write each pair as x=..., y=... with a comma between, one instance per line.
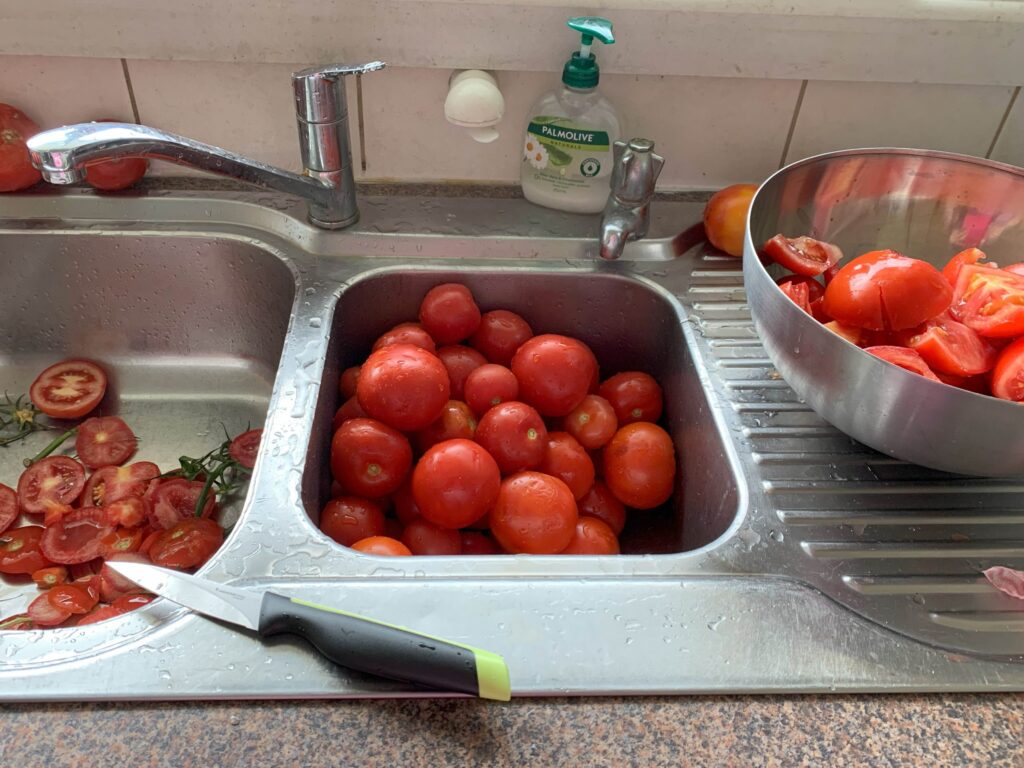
x=928, y=205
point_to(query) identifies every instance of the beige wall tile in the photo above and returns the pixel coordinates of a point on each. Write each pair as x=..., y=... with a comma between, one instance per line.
x=1010, y=146
x=954, y=118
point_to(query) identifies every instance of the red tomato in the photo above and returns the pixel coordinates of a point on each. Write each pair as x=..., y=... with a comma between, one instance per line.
x=189, y=544
x=554, y=373
x=490, y=385
x=53, y=480
x=798, y=294
x=347, y=383
x=112, y=584
x=849, y=332
x=806, y=292
x=725, y=217
x=592, y=422
x=393, y=528
x=1008, y=376
x=635, y=396
x=121, y=540
x=168, y=502
x=104, y=441
x=403, y=386
x=456, y=421
x=350, y=519
x=16, y=169
x=905, y=358
x=569, y=462
x=990, y=301
x=382, y=545
x=886, y=291
x=73, y=598
x=8, y=507
x=245, y=447
x=69, y=389
x=148, y=540
x=369, y=458
x=110, y=484
x=640, y=465
x=351, y=409
x=50, y=577
x=115, y=174
x=948, y=346
x=535, y=514
x=98, y=615
x=45, y=614
x=422, y=537
x=474, y=543
x=500, y=334
x=405, y=504
x=77, y=538
x=969, y=256
x=128, y=603
x=592, y=537
x=406, y=333
x=978, y=384
x=455, y=483
x=515, y=435
x=19, y=550
x=1017, y=269
x=803, y=255
x=601, y=503
x=449, y=313
x=130, y=512
x=460, y=361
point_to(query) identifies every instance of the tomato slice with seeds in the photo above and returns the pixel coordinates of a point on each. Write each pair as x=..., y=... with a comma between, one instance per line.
x=990, y=301
x=121, y=540
x=245, y=446
x=949, y=346
x=45, y=614
x=77, y=538
x=905, y=358
x=50, y=577
x=104, y=441
x=73, y=598
x=129, y=513
x=8, y=507
x=803, y=255
x=56, y=479
x=110, y=484
x=188, y=544
x=172, y=501
x=19, y=550
x=1008, y=376
x=966, y=257
x=69, y=389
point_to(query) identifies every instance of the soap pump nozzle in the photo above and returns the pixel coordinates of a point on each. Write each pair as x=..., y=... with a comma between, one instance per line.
x=581, y=71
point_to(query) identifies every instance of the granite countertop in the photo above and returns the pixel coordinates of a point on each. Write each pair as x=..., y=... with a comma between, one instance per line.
x=933, y=730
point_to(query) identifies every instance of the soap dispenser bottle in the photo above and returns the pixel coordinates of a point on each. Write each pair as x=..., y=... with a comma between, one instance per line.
x=567, y=155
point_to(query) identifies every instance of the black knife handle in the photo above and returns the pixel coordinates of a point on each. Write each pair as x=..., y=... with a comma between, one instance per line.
x=386, y=650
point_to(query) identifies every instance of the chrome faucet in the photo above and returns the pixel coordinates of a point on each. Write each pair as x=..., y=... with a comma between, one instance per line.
x=627, y=213
x=326, y=183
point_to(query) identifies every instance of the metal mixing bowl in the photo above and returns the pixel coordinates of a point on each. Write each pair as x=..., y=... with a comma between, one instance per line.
x=928, y=205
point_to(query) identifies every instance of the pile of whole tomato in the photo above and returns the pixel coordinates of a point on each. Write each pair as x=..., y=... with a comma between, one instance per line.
x=963, y=325
x=498, y=444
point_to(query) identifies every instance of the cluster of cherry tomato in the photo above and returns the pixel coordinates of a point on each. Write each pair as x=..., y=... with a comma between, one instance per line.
x=963, y=326
x=97, y=508
x=495, y=445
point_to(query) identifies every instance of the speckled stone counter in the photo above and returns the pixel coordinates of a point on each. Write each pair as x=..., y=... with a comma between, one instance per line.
x=953, y=730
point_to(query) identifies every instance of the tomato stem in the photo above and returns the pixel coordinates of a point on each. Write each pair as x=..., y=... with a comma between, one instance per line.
x=54, y=444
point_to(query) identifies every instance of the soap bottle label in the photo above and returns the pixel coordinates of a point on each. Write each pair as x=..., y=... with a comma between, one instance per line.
x=566, y=155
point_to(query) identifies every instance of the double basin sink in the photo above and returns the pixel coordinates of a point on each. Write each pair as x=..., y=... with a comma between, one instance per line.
x=222, y=311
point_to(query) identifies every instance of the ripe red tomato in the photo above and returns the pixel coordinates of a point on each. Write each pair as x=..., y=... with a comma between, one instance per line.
x=351, y=409
x=460, y=361
x=347, y=382
x=640, y=465
x=77, y=537
x=475, y=543
x=500, y=334
x=111, y=484
x=989, y=301
x=490, y=385
x=592, y=422
x=422, y=537
x=905, y=358
x=886, y=291
x=948, y=346
x=168, y=502
x=803, y=255
x=455, y=483
x=382, y=545
x=16, y=169
x=115, y=174
x=725, y=217
x=8, y=507
x=50, y=481
x=403, y=386
x=601, y=503
x=73, y=598
x=350, y=519
x=1008, y=376
x=406, y=333
x=45, y=614
x=592, y=537
x=245, y=447
x=449, y=313
x=966, y=257
x=104, y=441
x=456, y=421
x=19, y=550
x=369, y=458
x=554, y=373
x=535, y=514
x=189, y=544
x=405, y=504
x=515, y=435
x=634, y=395
x=69, y=389
x=569, y=462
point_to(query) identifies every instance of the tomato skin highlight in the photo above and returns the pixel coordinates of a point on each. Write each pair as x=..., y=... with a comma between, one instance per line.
x=69, y=389
x=567, y=460
x=349, y=519
x=490, y=385
x=403, y=333
x=534, y=514
x=403, y=386
x=640, y=465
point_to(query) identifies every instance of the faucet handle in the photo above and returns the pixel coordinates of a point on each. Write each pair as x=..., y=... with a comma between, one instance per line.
x=319, y=91
x=635, y=170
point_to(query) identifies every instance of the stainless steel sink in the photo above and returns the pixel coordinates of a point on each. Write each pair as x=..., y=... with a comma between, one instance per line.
x=795, y=560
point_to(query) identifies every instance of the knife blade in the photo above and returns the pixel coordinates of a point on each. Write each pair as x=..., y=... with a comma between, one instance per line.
x=357, y=642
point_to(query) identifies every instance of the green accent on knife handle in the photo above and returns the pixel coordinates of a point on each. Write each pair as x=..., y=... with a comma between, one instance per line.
x=387, y=650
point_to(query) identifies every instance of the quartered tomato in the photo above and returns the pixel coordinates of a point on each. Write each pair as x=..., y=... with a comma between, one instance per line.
x=188, y=544
x=104, y=441
x=905, y=358
x=990, y=301
x=382, y=545
x=1008, y=376
x=500, y=334
x=55, y=480
x=8, y=507
x=110, y=484
x=168, y=502
x=948, y=346
x=449, y=313
x=969, y=256
x=76, y=538
x=803, y=255
x=69, y=389
x=245, y=446
x=19, y=550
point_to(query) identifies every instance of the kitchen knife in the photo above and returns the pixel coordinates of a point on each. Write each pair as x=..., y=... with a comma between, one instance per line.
x=352, y=641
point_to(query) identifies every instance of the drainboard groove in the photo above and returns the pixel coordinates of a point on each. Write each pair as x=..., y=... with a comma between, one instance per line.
x=919, y=585
x=912, y=550
x=757, y=384
x=716, y=272
x=942, y=486
x=899, y=517
x=981, y=621
x=746, y=362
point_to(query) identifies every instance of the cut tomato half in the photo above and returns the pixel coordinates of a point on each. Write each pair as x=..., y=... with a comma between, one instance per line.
x=966, y=257
x=53, y=480
x=172, y=501
x=104, y=441
x=188, y=544
x=244, y=448
x=73, y=598
x=69, y=389
x=1008, y=376
x=8, y=507
x=990, y=301
x=949, y=346
x=45, y=614
x=77, y=538
x=19, y=550
x=905, y=358
x=803, y=255
x=110, y=484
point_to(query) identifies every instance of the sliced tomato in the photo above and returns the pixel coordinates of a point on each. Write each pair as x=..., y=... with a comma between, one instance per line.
x=19, y=550
x=112, y=584
x=1017, y=269
x=104, y=441
x=1008, y=376
x=110, y=484
x=803, y=255
x=50, y=577
x=99, y=614
x=55, y=479
x=73, y=598
x=69, y=389
x=121, y=540
x=905, y=358
x=172, y=501
x=127, y=603
x=188, y=544
x=851, y=333
x=129, y=513
x=803, y=291
x=45, y=614
x=244, y=448
x=949, y=346
x=990, y=301
x=968, y=256
x=77, y=538
x=8, y=507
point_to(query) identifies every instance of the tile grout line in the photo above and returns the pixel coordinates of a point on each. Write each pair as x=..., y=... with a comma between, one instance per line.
x=131, y=91
x=792, y=123
x=1002, y=123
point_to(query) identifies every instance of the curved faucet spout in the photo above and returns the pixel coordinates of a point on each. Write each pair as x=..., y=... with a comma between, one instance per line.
x=613, y=240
